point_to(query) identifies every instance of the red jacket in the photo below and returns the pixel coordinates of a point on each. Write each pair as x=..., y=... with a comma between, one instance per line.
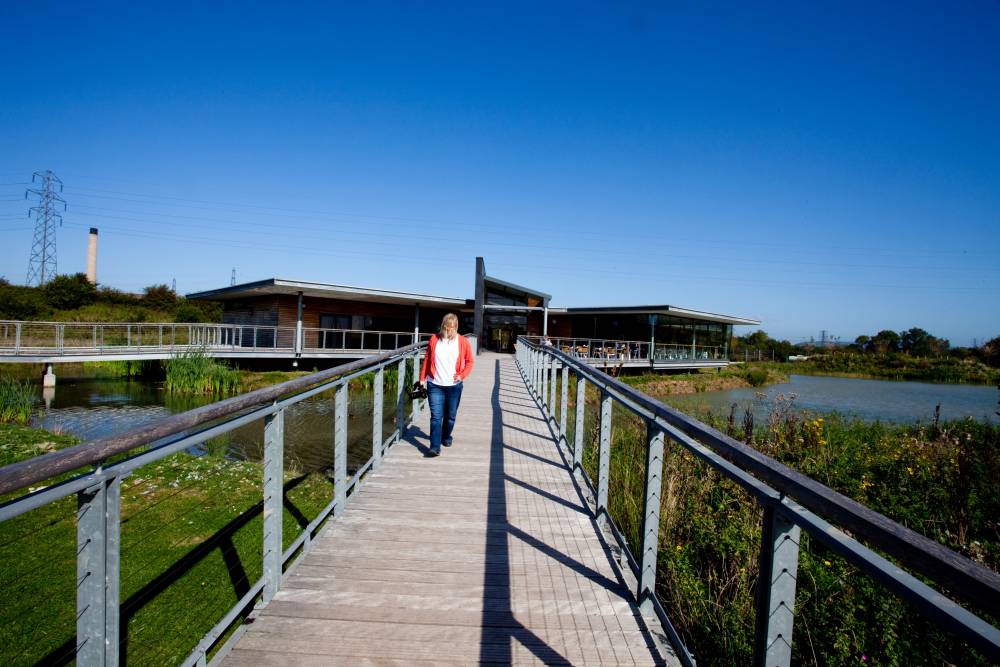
x=463, y=367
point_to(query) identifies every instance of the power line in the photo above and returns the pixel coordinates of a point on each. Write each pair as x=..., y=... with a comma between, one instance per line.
x=546, y=248
x=42, y=261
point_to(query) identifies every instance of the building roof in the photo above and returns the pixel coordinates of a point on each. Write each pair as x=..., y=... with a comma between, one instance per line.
x=490, y=280
x=274, y=286
x=673, y=311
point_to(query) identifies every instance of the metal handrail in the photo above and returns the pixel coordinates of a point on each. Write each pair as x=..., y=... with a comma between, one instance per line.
x=98, y=491
x=613, y=350
x=72, y=338
x=790, y=500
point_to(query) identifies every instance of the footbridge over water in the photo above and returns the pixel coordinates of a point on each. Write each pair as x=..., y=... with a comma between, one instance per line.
x=74, y=342
x=504, y=550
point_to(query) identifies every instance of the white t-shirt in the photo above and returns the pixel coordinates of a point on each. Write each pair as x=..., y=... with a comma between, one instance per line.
x=445, y=361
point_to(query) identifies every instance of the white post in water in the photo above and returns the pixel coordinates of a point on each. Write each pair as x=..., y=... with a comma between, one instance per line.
x=49, y=379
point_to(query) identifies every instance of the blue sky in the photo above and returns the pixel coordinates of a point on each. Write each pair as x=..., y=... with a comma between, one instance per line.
x=833, y=167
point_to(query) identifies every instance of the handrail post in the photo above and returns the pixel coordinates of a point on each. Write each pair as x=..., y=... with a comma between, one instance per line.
x=274, y=444
x=650, y=518
x=377, y=405
x=98, y=553
x=17, y=338
x=604, y=457
x=544, y=393
x=564, y=403
x=400, y=393
x=539, y=368
x=779, y=565
x=529, y=357
x=536, y=381
x=95, y=336
x=581, y=407
x=553, y=384
x=416, y=376
x=340, y=450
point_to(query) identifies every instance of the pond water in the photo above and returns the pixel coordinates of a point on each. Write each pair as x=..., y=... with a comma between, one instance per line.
x=91, y=409
x=888, y=401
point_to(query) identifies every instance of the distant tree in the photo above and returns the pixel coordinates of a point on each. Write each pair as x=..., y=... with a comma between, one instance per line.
x=884, y=342
x=918, y=343
x=69, y=292
x=757, y=339
x=861, y=343
x=18, y=302
x=159, y=297
x=991, y=352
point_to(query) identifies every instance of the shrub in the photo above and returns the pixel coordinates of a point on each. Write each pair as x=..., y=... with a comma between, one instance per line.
x=757, y=377
x=21, y=303
x=116, y=296
x=159, y=297
x=188, y=312
x=68, y=292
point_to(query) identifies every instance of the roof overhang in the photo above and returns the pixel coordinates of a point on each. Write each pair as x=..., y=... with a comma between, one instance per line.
x=511, y=287
x=280, y=286
x=672, y=311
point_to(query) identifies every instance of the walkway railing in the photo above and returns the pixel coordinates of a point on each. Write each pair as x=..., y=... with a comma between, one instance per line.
x=99, y=491
x=22, y=338
x=790, y=501
x=603, y=350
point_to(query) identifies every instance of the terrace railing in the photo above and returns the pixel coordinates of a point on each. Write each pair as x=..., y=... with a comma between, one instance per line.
x=602, y=350
x=791, y=502
x=99, y=490
x=21, y=338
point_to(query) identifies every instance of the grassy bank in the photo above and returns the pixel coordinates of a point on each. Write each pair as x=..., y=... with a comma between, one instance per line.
x=191, y=546
x=894, y=367
x=697, y=382
x=938, y=479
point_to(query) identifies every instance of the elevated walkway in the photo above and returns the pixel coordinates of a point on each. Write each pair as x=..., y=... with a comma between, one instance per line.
x=488, y=554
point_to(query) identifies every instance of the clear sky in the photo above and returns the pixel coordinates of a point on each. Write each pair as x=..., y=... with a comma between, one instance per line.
x=814, y=165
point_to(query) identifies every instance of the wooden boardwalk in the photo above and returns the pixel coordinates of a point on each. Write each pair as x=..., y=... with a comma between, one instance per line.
x=484, y=555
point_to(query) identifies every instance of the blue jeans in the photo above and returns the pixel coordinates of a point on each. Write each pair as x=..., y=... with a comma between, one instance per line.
x=444, y=406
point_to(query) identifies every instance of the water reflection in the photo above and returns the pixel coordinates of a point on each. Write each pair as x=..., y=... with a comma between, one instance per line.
x=94, y=409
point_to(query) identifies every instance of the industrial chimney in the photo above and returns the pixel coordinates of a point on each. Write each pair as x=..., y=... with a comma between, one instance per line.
x=92, y=257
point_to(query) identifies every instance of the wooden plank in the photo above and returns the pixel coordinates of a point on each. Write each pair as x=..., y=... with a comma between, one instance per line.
x=485, y=555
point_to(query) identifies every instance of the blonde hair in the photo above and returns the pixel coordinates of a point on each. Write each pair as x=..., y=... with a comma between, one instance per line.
x=450, y=318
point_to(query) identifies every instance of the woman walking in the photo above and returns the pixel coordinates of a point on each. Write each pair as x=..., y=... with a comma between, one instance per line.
x=448, y=362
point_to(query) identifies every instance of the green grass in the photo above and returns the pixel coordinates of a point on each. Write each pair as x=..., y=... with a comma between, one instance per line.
x=191, y=545
x=16, y=400
x=938, y=480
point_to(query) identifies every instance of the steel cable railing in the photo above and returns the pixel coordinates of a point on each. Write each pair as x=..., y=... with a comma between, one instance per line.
x=99, y=504
x=84, y=339
x=790, y=502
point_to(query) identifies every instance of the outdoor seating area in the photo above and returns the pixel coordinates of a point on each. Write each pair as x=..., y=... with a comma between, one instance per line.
x=633, y=352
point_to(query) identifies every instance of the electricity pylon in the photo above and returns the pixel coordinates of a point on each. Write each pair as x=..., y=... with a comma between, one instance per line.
x=42, y=263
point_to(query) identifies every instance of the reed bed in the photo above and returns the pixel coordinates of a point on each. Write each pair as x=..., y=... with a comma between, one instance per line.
x=196, y=373
x=16, y=400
